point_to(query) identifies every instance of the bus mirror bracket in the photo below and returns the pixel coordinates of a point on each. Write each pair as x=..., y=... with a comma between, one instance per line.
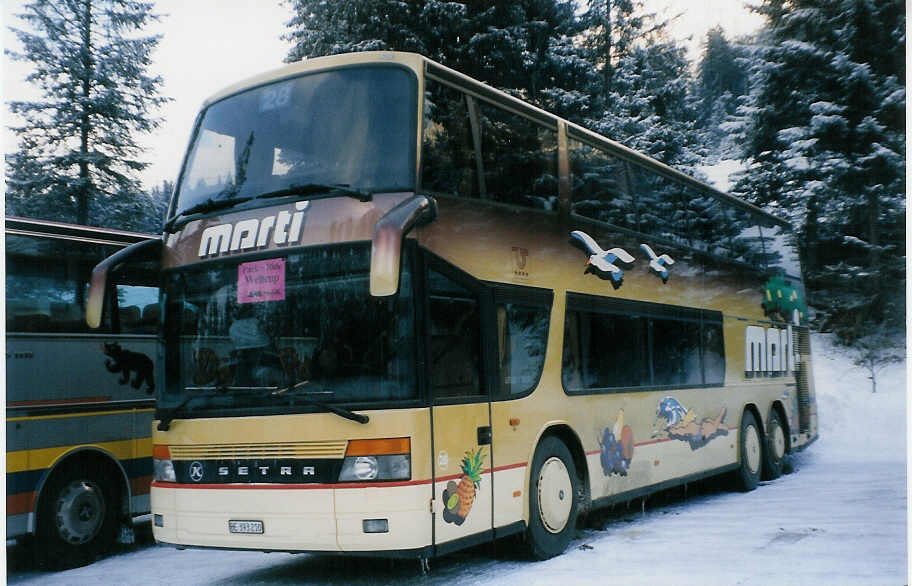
x=386, y=247
x=98, y=286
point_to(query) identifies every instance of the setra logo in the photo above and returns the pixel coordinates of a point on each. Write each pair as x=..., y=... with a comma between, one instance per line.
x=281, y=229
x=196, y=471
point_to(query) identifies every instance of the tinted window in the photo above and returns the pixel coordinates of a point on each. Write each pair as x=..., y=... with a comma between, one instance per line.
x=713, y=353
x=455, y=338
x=47, y=281
x=601, y=186
x=676, y=352
x=519, y=158
x=353, y=127
x=605, y=351
x=240, y=331
x=522, y=337
x=448, y=152
x=613, y=345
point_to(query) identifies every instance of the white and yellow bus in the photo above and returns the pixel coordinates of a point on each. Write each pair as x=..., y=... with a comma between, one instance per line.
x=405, y=313
x=79, y=403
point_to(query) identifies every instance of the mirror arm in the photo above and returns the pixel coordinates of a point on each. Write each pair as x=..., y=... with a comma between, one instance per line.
x=386, y=247
x=99, y=283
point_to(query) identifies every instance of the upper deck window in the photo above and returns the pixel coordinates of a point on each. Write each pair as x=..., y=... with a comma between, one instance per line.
x=475, y=149
x=354, y=127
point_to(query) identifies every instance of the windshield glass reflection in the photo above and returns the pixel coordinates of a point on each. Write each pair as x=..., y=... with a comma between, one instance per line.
x=353, y=127
x=276, y=331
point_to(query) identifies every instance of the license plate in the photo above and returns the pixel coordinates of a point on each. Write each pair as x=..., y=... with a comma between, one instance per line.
x=245, y=526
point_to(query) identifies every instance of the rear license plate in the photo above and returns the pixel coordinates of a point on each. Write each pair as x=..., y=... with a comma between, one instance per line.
x=245, y=526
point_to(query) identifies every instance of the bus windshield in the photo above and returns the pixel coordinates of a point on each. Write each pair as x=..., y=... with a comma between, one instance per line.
x=279, y=333
x=353, y=128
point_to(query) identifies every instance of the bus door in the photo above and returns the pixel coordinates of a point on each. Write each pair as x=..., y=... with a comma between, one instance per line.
x=460, y=414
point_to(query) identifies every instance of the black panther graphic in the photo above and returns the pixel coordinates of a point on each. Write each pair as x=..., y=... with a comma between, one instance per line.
x=128, y=362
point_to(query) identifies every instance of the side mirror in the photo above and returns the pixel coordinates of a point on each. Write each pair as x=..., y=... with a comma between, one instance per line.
x=98, y=286
x=386, y=247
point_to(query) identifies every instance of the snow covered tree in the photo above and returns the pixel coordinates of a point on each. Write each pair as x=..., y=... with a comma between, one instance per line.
x=78, y=157
x=721, y=82
x=328, y=28
x=643, y=81
x=827, y=148
x=522, y=47
x=875, y=350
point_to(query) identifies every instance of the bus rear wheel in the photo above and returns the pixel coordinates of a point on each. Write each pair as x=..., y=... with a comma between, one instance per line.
x=553, y=499
x=750, y=451
x=77, y=517
x=774, y=452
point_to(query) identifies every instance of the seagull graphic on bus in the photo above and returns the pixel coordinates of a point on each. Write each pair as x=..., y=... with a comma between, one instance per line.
x=658, y=263
x=603, y=260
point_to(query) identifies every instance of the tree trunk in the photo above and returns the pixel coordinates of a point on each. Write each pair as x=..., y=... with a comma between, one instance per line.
x=82, y=198
x=811, y=236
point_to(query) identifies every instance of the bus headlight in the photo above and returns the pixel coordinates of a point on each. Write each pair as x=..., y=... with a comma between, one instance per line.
x=364, y=468
x=384, y=459
x=162, y=466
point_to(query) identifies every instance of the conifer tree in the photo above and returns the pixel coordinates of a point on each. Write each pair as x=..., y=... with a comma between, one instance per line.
x=641, y=93
x=78, y=158
x=827, y=148
x=524, y=47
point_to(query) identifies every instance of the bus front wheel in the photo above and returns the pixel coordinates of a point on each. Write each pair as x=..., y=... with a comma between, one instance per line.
x=553, y=499
x=751, y=450
x=77, y=517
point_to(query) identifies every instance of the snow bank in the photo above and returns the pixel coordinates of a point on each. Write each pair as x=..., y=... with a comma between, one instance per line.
x=857, y=425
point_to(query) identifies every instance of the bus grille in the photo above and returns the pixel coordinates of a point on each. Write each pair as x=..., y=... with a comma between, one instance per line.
x=327, y=449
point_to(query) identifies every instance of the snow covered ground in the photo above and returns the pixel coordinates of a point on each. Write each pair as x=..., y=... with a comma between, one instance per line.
x=840, y=518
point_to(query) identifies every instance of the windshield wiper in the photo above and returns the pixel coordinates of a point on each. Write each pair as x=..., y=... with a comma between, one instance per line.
x=211, y=205
x=169, y=415
x=323, y=189
x=340, y=411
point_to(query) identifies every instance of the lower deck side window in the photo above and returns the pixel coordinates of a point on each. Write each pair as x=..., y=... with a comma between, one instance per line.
x=639, y=345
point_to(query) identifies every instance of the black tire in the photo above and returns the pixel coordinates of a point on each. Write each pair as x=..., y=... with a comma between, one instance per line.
x=750, y=450
x=77, y=516
x=774, y=451
x=552, y=518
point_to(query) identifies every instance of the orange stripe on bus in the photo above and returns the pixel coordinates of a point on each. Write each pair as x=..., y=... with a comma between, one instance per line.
x=17, y=504
x=140, y=486
x=161, y=452
x=52, y=402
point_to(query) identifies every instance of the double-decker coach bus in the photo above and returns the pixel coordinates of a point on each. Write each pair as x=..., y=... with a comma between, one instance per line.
x=405, y=312
x=79, y=403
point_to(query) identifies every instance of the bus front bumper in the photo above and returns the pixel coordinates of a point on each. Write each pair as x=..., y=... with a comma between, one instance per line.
x=325, y=518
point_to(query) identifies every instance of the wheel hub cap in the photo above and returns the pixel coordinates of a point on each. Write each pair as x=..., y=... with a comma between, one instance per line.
x=778, y=442
x=79, y=512
x=752, y=449
x=554, y=486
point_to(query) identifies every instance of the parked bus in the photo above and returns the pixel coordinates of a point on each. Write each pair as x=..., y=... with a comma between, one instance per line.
x=79, y=403
x=405, y=313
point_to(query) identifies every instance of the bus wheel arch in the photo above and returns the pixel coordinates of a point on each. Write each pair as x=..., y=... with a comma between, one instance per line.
x=776, y=445
x=557, y=471
x=79, y=508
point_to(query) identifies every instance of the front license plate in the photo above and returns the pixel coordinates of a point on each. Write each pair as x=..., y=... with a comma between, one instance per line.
x=245, y=526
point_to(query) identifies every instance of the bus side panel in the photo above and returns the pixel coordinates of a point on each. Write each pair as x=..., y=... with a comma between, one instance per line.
x=69, y=392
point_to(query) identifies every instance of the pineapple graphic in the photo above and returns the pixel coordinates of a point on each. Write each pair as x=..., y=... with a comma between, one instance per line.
x=459, y=497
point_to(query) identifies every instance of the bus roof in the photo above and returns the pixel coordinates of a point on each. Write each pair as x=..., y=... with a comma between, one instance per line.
x=480, y=90
x=36, y=227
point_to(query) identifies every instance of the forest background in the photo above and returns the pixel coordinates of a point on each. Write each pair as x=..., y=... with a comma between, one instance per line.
x=812, y=105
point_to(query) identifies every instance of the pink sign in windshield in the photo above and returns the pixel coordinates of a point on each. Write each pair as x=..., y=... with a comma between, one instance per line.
x=262, y=280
